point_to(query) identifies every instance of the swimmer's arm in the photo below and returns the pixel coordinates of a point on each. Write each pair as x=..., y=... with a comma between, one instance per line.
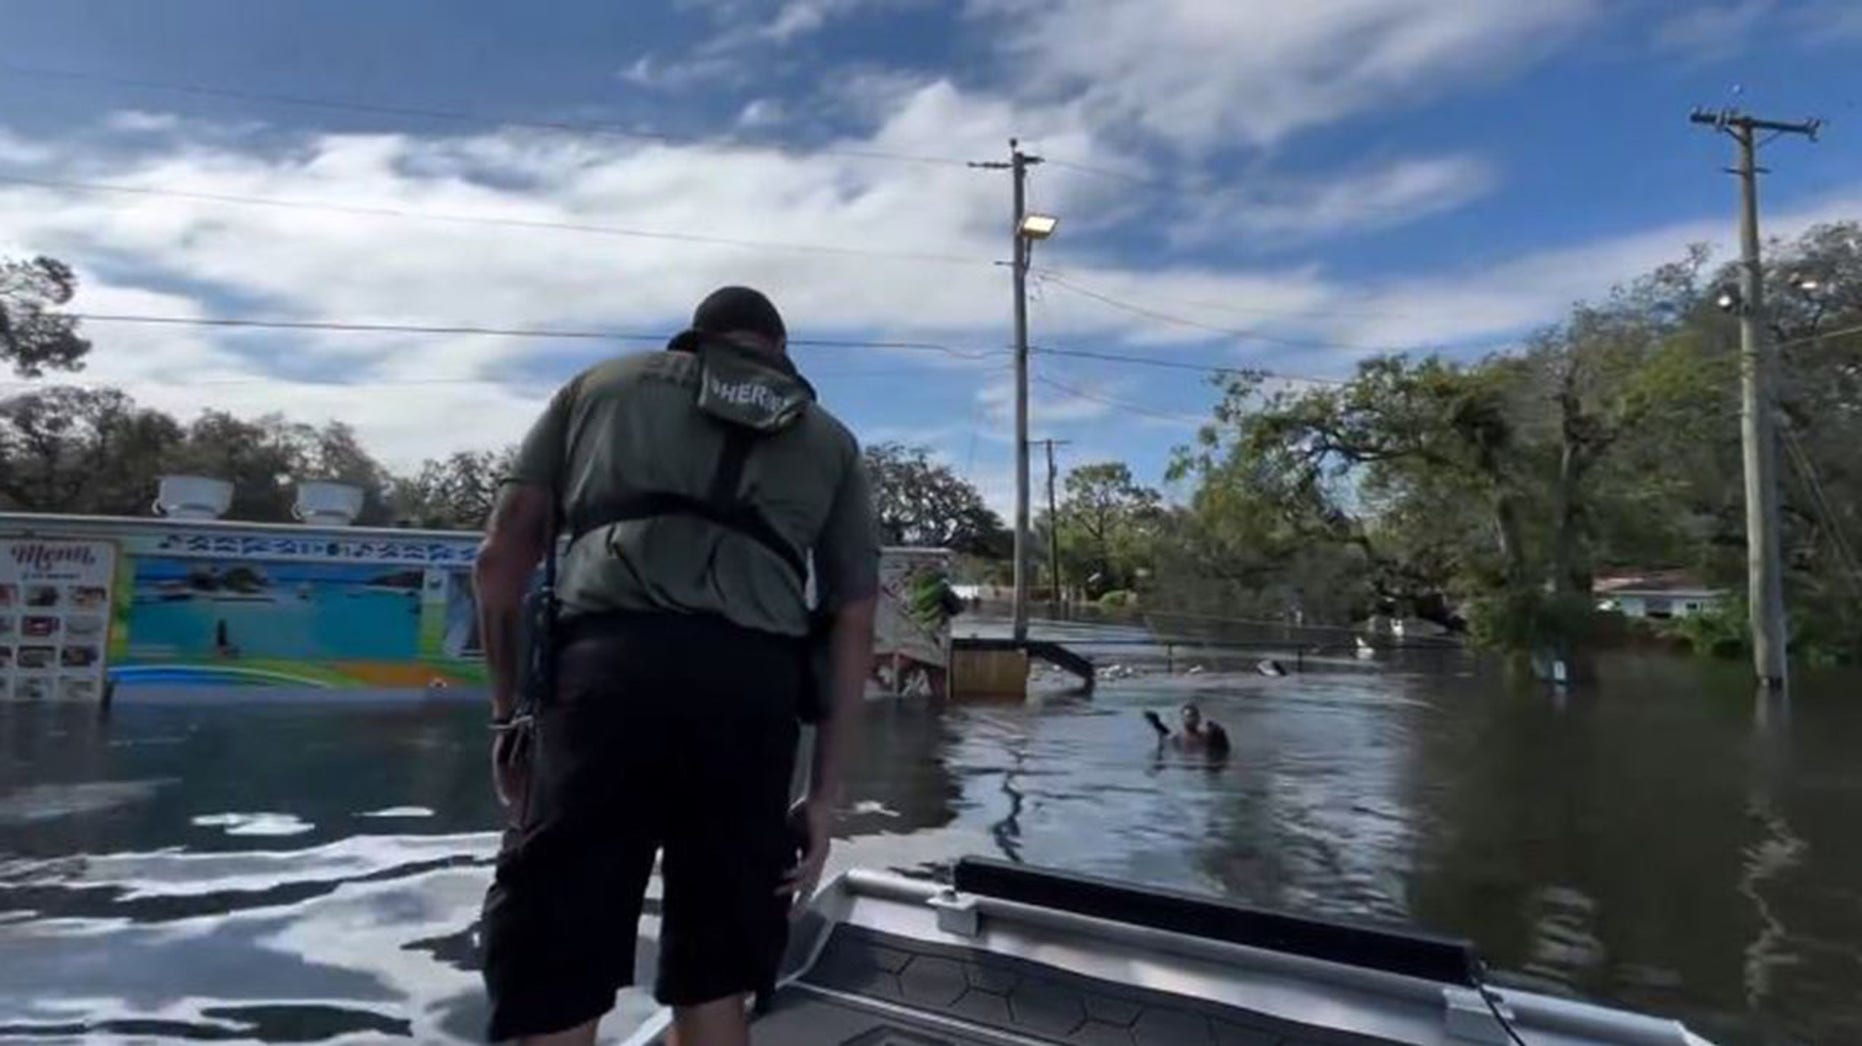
x=1157, y=724
x=513, y=546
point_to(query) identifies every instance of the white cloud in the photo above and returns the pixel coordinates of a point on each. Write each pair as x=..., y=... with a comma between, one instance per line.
x=139, y=121
x=24, y=152
x=1831, y=21
x=1202, y=75
x=746, y=23
x=304, y=262
x=1048, y=406
x=764, y=112
x=1458, y=307
x=801, y=17
x=1719, y=31
x=408, y=394
x=684, y=74
x=1306, y=207
x=1712, y=32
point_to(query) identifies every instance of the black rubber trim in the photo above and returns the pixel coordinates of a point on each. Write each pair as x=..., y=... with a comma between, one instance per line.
x=1447, y=960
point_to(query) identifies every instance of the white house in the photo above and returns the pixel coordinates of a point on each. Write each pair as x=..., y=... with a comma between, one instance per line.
x=1657, y=593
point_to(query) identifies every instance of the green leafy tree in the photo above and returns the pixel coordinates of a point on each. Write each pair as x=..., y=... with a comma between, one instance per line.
x=1507, y=484
x=922, y=502
x=76, y=450
x=453, y=493
x=34, y=336
x=265, y=457
x=1108, y=525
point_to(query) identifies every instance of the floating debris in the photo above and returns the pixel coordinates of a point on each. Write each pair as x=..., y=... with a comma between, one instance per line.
x=400, y=811
x=255, y=824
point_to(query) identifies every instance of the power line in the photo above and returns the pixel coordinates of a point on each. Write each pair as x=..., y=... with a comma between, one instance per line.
x=584, y=334
x=1244, y=310
x=375, y=382
x=1821, y=503
x=1181, y=321
x=463, y=329
x=1201, y=368
x=1135, y=408
x=1807, y=339
x=1107, y=172
x=491, y=220
x=453, y=115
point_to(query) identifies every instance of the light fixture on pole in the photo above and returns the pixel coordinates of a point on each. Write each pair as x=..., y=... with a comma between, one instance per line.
x=1038, y=226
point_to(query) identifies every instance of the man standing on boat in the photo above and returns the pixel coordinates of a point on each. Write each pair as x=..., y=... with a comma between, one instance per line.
x=694, y=488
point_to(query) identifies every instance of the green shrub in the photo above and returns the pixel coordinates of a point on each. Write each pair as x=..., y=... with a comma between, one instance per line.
x=1718, y=631
x=1524, y=620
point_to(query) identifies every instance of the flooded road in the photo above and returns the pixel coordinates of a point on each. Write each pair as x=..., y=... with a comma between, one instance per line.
x=313, y=874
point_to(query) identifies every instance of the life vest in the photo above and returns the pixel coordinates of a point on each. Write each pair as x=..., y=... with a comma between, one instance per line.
x=734, y=390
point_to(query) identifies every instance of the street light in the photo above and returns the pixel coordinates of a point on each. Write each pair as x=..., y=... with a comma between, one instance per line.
x=1038, y=226
x=1729, y=299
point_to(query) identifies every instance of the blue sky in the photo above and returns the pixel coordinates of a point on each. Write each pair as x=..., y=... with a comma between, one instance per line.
x=1321, y=180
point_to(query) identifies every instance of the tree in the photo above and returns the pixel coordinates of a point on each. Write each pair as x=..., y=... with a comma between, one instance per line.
x=93, y=451
x=264, y=458
x=1506, y=484
x=455, y=492
x=1107, y=522
x=1341, y=467
x=923, y=503
x=32, y=336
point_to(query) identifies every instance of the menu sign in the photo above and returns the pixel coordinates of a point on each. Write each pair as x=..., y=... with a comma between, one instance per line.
x=54, y=618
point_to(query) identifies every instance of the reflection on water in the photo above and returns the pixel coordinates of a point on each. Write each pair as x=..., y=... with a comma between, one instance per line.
x=304, y=874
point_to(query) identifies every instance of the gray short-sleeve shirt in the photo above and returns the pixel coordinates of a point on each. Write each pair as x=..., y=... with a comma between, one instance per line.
x=632, y=425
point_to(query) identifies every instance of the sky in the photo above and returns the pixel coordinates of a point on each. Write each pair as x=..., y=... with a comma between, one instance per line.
x=1240, y=183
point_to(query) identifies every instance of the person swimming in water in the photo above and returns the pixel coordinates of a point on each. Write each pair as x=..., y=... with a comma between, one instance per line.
x=1198, y=734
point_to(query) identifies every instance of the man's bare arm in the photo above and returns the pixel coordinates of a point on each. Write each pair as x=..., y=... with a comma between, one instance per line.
x=1157, y=724
x=850, y=649
x=514, y=543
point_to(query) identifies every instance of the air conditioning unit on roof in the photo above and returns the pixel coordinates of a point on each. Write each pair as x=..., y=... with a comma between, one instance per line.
x=193, y=497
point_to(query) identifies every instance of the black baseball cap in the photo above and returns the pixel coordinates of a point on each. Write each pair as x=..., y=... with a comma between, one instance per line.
x=730, y=309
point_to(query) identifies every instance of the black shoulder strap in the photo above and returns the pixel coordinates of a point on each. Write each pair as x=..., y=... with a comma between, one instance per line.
x=722, y=506
x=729, y=474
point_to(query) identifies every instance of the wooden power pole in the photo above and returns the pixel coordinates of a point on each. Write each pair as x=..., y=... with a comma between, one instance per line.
x=1053, y=525
x=1017, y=166
x=1758, y=420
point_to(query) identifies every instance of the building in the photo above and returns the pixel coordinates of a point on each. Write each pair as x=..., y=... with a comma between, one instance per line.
x=1659, y=594
x=187, y=604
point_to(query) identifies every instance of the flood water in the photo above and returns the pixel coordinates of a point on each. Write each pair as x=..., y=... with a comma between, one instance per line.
x=291, y=873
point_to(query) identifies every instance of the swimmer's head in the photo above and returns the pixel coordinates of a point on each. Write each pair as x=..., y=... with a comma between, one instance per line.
x=1191, y=715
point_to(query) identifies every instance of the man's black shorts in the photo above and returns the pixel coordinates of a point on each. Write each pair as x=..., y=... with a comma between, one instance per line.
x=673, y=733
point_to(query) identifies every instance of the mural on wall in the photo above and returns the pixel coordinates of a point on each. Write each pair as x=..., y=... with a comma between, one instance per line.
x=199, y=607
x=54, y=618
x=285, y=622
x=196, y=608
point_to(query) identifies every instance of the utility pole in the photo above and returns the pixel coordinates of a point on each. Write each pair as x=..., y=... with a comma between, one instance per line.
x=1758, y=422
x=1053, y=524
x=1018, y=165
